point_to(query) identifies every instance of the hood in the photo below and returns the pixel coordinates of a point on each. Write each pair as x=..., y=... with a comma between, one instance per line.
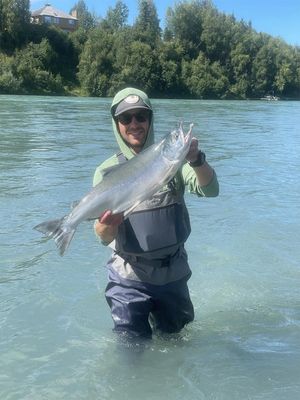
x=125, y=149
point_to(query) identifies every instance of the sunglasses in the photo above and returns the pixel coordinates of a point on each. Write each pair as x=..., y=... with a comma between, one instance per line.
x=126, y=118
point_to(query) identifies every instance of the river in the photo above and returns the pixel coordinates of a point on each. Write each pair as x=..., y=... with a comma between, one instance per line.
x=55, y=327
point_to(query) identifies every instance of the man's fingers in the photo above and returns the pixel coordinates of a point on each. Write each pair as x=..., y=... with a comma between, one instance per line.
x=104, y=217
x=110, y=219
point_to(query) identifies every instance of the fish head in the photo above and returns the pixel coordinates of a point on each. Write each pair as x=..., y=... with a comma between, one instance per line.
x=177, y=144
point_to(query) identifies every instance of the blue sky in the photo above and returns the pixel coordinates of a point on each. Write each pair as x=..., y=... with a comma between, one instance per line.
x=276, y=17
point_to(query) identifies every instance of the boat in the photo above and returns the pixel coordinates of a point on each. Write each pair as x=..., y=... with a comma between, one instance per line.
x=270, y=97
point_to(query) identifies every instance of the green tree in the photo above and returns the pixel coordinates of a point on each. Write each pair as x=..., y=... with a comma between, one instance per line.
x=66, y=60
x=32, y=67
x=146, y=26
x=286, y=79
x=14, y=23
x=203, y=79
x=86, y=20
x=185, y=23
x=264, y=68
x=122, y=41
x=116, y=17
x=170, y=54
x=241, y=62
x=140, y=69
x=217, y=34
x=96, y=63
x=9, y=83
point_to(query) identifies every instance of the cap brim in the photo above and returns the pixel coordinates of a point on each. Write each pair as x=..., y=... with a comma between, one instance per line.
x=131, y=107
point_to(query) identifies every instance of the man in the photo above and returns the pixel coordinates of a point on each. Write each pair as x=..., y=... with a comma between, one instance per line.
x=148, y=270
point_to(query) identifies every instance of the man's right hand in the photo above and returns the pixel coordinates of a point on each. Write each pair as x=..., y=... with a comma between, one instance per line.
x=107, y=226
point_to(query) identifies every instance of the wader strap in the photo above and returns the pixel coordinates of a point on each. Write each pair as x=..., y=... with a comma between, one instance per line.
x=121, y=158
x=154, y=262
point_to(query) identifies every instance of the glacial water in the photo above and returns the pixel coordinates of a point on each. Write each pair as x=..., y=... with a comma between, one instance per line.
x=55, y=327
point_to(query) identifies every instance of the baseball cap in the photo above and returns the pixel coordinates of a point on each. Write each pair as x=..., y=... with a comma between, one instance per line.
x=130, y=103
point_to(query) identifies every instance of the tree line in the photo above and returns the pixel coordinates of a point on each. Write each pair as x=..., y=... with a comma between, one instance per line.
x=201, y=53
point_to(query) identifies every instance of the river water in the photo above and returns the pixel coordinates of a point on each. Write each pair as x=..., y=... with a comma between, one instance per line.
x=55, y=327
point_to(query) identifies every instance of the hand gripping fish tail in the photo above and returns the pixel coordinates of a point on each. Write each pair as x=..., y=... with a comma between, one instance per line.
x=56, y=229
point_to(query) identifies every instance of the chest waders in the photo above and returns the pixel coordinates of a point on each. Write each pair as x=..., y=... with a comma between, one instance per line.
x=149, y=269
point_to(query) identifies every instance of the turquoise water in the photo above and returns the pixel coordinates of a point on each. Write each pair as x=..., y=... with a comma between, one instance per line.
x=55, y=327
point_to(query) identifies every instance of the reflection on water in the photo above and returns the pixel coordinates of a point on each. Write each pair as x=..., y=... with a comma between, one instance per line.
x=56, y=340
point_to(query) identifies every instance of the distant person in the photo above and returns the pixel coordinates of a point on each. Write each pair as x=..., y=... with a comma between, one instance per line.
x=148, y=269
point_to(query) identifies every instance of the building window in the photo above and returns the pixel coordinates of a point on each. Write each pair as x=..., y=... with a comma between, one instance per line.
x=51, y=20
x=71, y=22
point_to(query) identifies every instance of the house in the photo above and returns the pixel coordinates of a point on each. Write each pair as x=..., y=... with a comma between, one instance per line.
x=53, y=16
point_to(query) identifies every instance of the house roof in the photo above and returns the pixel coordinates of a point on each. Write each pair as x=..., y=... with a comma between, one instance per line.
x=50, y=11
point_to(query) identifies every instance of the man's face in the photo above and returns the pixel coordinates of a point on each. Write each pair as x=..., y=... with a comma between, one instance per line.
x=133, y=127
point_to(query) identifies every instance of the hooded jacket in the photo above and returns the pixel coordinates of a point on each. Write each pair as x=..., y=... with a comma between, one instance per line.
x=150, y=244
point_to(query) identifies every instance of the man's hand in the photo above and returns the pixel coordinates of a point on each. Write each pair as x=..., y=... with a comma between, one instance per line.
x=193, y=151
x=205, y=172
x=108, y=218
x=107, y=226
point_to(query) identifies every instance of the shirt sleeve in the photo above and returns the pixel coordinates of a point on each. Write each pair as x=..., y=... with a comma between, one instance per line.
x=97, y=176
x=191, y=183
x=97, y=179
x=105, y=165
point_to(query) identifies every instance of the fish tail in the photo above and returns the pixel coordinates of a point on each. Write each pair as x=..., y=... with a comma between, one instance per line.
x=59, y=231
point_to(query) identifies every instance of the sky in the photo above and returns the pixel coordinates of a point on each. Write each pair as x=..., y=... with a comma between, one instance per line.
x=279, y=18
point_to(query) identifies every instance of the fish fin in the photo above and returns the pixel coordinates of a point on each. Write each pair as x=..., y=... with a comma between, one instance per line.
x=49, y=228
x=129, y=211
x=74, y=204
x=55, y=229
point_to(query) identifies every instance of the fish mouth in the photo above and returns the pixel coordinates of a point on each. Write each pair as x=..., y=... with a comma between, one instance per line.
x=185, y=138
x=188, y=136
